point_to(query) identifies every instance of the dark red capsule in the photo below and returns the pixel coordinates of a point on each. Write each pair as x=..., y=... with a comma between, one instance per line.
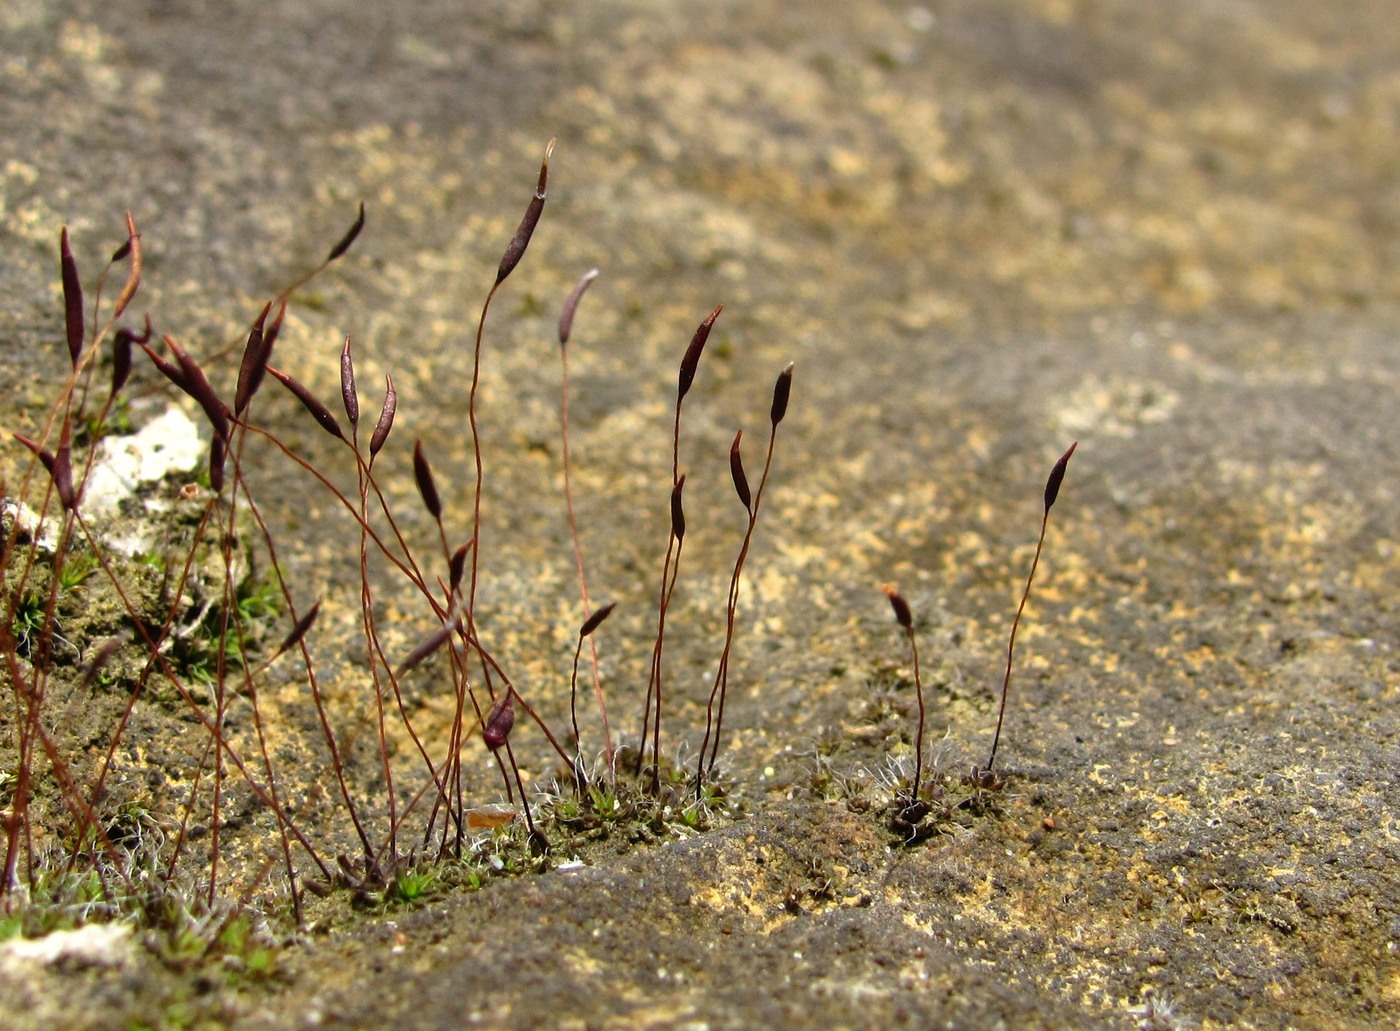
x=499, y=722
x=782, y=390
x=566, y=317
x=253, y=365
x=310, y=402
x=72, y=297
x=736, y=471
x=386, y=417
x=902, y=614
x=424, y=478
x=349, y=237
x=678, y=510
x=516, y=249
x=347, y=387
x=594, y=621
x=1057, y=477
x=690, y=361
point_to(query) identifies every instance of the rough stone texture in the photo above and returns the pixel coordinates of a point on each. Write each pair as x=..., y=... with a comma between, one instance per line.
x=980, y=230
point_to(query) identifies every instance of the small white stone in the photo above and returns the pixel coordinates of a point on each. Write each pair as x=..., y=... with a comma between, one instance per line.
x=105, y=945
x=45, y=534
x=169, y=443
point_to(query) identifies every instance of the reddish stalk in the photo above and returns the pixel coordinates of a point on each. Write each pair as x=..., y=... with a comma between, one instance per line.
x=984, y=774
x=160, y=662
x=566, y=321
x=905, y=617
x=375, y=660
x=585, y=632
x=514, y=252
x=675, y=541
x=714, y=715
x=495, y=731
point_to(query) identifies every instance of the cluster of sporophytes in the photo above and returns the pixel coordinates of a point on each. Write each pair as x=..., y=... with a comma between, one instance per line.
x=186, y=631
x=202, y=625
x=914, y=800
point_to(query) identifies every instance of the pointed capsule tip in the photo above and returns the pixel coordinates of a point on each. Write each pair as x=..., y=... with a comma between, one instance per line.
x=1057, y=477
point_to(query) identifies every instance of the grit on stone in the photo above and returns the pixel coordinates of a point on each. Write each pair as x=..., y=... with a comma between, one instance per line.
x=980, y=231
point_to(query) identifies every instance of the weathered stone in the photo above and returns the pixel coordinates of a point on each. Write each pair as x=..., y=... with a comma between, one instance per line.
x=980, y=231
